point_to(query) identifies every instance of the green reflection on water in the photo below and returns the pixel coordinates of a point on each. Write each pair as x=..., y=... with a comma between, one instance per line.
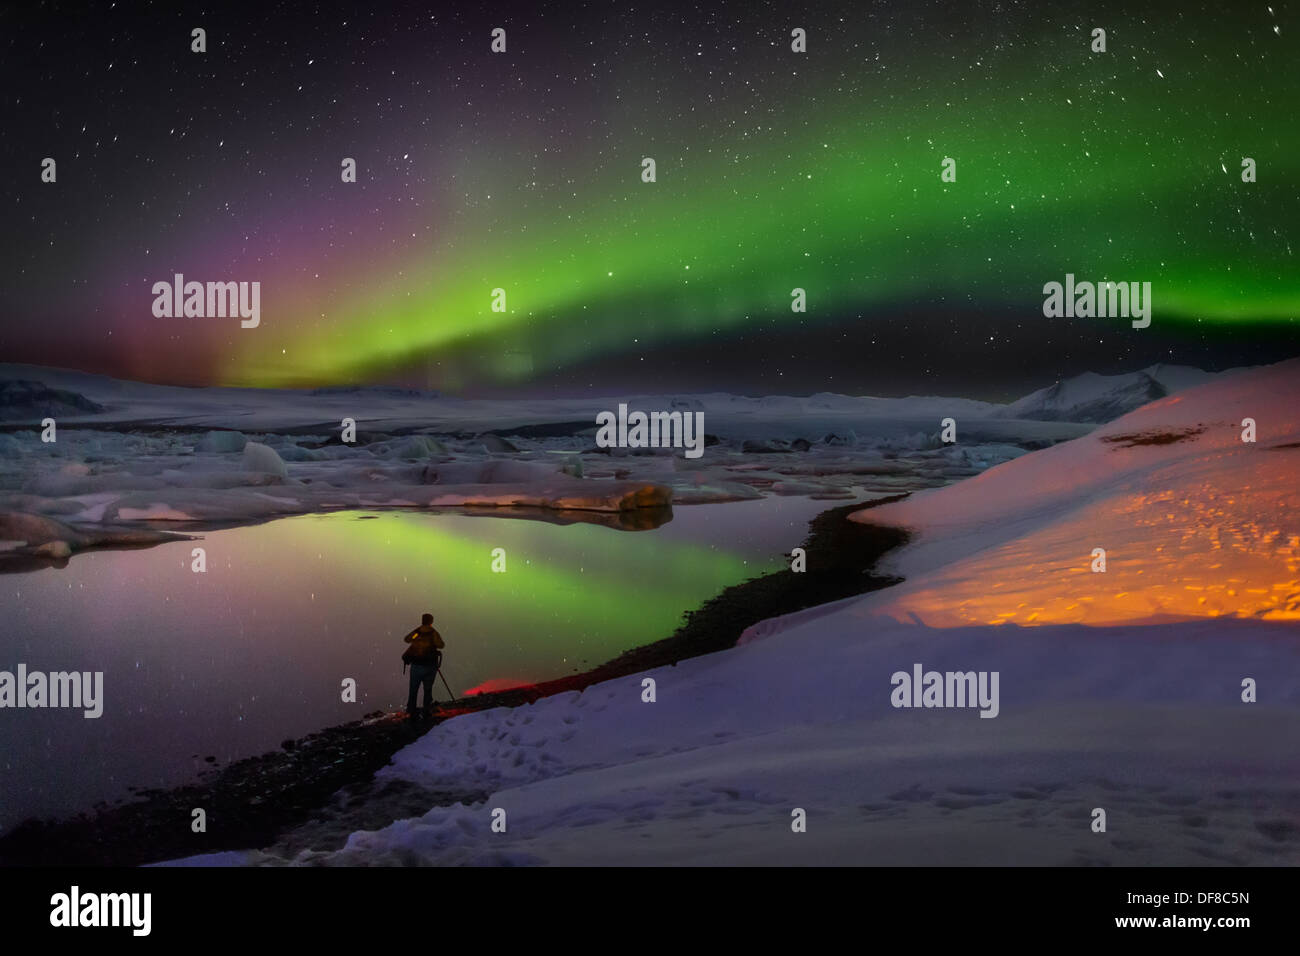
x=573, y=593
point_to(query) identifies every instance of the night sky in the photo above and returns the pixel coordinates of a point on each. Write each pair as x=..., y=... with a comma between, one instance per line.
x=775, y=169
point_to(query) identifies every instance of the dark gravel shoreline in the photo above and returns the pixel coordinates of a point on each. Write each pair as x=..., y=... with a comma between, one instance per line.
x=258, y=800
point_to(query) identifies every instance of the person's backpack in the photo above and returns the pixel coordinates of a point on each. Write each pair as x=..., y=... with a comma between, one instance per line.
x=422, y=649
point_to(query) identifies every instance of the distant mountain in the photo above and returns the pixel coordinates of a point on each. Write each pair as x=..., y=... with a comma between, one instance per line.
x=30, y=393
x=376, y=391
x=1102, y=398
x=22, y=400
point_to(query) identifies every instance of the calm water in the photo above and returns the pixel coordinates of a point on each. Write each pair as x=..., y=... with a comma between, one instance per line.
x=231, y=662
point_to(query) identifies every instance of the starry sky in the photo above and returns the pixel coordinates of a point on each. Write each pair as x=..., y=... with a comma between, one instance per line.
x=775, y=170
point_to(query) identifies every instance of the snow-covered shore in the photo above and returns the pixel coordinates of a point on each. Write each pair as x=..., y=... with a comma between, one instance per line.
x=1123, y=691
x=1194, y=521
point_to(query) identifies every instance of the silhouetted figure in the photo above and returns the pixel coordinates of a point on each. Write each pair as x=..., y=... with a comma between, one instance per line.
x=425, y=657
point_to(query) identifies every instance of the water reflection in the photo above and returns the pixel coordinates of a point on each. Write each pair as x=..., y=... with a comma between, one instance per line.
x=232, y=661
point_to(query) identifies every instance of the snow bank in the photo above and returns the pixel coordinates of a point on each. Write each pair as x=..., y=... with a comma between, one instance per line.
x=1194, y=521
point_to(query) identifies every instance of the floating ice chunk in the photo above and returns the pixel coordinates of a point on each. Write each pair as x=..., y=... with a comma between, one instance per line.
x=155, y=512
x=415, y=446
x=495, y=443
x=226, y=441
x=46, y=537
x=799, y=488
x=259, y=457
x=696, y=493
x=488, y=472
x=292, y=452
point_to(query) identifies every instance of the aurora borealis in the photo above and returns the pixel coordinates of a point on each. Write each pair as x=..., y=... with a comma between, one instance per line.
x=775, y=170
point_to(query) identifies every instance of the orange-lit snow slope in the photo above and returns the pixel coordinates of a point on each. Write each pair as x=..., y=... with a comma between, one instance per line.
x=1194, y=521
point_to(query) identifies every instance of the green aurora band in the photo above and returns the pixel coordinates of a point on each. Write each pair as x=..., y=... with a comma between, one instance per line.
x=1101, y=167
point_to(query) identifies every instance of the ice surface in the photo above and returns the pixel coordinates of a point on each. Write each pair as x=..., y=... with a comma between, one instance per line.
x=240, y=454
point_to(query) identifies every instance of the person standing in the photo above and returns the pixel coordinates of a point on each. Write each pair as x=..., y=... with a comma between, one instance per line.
x=425, y=657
